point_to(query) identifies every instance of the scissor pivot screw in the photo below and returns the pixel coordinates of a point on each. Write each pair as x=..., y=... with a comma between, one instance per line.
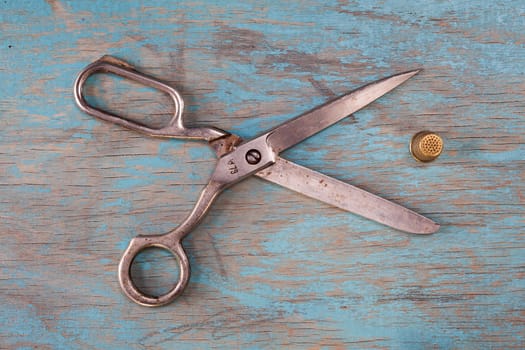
x=253, y=156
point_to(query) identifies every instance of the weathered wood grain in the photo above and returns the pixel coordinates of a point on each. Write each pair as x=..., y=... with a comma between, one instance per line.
x=271, y=268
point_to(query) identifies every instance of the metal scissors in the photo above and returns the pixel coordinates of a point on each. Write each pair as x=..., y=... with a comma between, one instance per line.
x=238, y=159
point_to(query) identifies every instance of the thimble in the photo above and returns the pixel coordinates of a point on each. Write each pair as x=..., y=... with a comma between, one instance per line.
x=426, y=146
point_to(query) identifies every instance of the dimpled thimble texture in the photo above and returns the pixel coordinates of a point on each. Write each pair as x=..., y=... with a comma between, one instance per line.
x=426, y=146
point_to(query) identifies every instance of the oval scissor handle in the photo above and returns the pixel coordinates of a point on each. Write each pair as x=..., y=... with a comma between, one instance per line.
x=172, y=242
x=175, y=127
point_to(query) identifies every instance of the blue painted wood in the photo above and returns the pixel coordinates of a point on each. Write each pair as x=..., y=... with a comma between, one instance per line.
x=270, y=267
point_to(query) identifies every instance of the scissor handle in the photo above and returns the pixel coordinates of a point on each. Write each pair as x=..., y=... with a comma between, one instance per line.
x=137, y=245
x=175, y=127
x=172, y=242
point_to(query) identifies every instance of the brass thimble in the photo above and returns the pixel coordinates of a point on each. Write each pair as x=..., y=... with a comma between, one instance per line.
x=426, y=146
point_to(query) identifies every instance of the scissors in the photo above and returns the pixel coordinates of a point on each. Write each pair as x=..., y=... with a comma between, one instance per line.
x=238, y=159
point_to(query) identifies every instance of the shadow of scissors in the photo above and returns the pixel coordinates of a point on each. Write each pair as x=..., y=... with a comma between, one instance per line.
x=239, y=159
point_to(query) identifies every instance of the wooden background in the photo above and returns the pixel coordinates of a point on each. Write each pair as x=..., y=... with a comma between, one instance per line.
x=271, y=268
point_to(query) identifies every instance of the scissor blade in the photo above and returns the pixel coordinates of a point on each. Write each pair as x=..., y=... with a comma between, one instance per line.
x=296, y=130
x=347, y=197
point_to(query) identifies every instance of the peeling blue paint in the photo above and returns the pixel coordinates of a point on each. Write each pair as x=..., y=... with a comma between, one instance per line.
x=295, y=278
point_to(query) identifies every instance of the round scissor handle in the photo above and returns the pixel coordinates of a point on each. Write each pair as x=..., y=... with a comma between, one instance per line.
x=171, y=242
x=137, y=245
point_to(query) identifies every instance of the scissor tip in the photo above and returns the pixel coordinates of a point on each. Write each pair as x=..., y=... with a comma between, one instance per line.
x=429, y=229
x=402, y=77
x=413, y=72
